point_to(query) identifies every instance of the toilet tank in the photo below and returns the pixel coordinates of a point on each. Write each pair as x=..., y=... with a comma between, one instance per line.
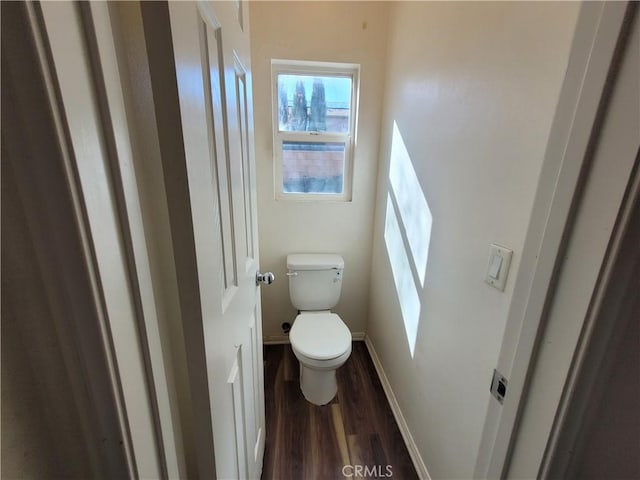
x=315, y=280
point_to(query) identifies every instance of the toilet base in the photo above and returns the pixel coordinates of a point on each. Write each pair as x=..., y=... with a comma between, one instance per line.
x=318, y=386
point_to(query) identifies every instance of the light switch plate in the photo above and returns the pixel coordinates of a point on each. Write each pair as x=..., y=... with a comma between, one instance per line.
x=501, y=279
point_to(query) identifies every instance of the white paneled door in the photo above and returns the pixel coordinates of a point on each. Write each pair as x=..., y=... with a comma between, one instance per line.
x=212, y=65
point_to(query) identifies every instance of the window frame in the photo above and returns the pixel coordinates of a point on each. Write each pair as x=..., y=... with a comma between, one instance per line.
x=298, y=67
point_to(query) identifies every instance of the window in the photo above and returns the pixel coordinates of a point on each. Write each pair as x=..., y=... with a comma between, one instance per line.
x=314, y=120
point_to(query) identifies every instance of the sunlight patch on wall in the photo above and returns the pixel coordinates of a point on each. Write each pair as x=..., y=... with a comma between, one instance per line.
x=407, y=234
x=402, y=276
x=412, y=205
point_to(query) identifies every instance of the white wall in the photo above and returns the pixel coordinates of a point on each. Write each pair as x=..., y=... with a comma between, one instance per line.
x=351, y=32
x=472, y=88
x=42, y=434
x=28, y=449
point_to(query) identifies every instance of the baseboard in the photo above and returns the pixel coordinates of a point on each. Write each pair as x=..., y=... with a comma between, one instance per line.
x=418, y=463
x=358, y=336
x=275, y=339
x=283, y=339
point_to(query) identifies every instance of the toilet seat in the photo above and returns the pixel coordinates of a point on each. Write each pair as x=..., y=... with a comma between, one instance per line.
x=320, y=336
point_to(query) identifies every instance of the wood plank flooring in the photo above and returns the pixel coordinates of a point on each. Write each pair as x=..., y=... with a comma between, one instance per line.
x=305, y=441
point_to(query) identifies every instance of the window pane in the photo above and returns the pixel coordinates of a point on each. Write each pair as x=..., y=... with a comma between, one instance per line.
x=312, y=167
x=314, y=103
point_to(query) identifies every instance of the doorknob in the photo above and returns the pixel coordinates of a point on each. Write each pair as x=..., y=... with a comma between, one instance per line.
x=267, y=278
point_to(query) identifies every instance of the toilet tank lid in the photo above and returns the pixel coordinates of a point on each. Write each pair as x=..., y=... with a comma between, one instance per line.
x=314, y=261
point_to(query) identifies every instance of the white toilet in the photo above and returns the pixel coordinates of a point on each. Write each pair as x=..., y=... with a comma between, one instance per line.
x=319, y=339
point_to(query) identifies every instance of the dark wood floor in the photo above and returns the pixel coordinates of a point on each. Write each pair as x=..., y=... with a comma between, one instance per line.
x=305, y=441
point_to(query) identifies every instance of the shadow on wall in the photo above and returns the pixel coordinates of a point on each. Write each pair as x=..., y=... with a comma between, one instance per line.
x=407, y=234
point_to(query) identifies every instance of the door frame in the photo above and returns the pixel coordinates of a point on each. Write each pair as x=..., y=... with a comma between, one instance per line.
x=100, y=42
x=597, y=268
x=80, y=79
x=557, y=199
x=59, y=237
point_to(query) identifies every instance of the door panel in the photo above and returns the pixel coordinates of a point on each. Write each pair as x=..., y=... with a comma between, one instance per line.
x=213, y=70
x=242, y=116
x=256, y=367
x=211, y=54
x=237, y=392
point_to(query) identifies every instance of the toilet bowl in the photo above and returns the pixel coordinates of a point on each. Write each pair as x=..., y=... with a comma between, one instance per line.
x=322, y=343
